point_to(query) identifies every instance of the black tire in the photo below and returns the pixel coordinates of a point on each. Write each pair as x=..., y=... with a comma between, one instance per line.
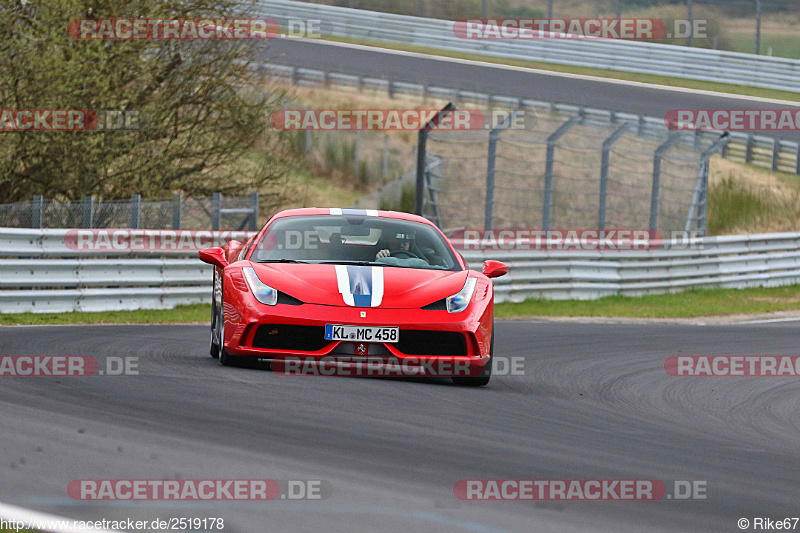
x=214, y=351
x=224, y=358
x=483, y=379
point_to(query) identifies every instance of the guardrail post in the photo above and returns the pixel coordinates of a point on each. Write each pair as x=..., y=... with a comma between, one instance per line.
x=37, y=207
x=748, y=153
x=294, y=76
x=254, y=208
x=547, y=203
x=776, y=153
x=136, y=203
x=654, y=195
x=797, y=161
x=640, y=129
x=422, y=141
x=390, y=89
x=494, y=135
x=177, y=211
x=87, y=218
x=601, y=210
x=216, y=207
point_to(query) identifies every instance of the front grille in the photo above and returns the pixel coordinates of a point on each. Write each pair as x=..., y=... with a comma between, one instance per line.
x=290, y=337
x=422, y=342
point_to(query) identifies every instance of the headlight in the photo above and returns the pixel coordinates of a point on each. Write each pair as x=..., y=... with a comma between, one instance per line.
x=263, y=292
x=460, y=300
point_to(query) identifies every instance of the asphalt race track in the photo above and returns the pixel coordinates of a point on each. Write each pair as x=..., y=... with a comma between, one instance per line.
x=595, y=403
x=539, y=85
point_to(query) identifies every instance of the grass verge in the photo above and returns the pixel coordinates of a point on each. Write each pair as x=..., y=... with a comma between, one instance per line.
x=200, y=313
x=586, y=71
x=687, y=304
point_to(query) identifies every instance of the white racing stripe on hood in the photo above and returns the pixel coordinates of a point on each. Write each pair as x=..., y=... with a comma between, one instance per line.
x=343, y=280
x=377, y=286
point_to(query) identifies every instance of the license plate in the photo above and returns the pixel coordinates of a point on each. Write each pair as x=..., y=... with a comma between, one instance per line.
x=336, y=332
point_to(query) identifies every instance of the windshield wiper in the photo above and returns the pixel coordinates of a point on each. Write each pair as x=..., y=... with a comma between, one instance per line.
x=283, y=261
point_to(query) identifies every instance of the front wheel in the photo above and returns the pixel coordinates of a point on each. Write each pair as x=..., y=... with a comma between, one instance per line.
x=483, y=379
x=219, y=332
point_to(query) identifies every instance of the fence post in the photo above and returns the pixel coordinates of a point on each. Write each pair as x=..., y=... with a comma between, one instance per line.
x=547, y=203
x=601, y=211
x=136, y=203
x=494, y=135
x=216, y=207
x=177, y=211
x=87, y=212
x=654, y=195
x=422, y=141
x=385, y=162
x=776, y=153
x=703, y=204
x=37, y=207
x=254, y=207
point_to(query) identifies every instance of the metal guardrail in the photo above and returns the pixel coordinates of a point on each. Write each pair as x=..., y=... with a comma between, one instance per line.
x=713, y=262
x=31, y=282
x=41, y=273
x=763, y=151
x=628, y=56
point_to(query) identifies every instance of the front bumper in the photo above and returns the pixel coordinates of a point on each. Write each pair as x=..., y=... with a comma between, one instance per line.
x=244, y=336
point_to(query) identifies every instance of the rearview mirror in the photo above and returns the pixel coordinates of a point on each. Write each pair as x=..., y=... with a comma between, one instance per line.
x=494, y=269
x=213, y=256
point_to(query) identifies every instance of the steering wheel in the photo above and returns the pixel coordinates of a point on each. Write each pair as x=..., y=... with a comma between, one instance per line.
x=401, y=253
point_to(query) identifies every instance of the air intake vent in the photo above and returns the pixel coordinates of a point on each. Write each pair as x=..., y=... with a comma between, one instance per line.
x=290, y=337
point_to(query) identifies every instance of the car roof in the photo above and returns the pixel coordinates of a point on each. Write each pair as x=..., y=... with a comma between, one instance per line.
x=338, y=211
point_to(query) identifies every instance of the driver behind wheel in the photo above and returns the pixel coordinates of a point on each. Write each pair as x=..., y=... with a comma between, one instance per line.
x=397, y=242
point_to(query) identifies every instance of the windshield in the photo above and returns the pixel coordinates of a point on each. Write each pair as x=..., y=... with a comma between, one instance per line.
x=354, y=240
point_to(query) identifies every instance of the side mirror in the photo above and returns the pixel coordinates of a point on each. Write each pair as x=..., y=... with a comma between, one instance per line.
x=232, y=250
x=213, y=256
x=494, y=269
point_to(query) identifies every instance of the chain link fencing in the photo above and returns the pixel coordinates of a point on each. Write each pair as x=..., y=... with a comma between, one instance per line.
x=177, y=212
x=569, y=172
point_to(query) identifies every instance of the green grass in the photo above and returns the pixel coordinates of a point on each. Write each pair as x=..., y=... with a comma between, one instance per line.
x=200, y=313
x=588, y=71
x=783, y=45
x=687, y=304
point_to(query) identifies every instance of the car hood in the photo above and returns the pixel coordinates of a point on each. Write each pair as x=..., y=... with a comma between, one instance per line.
x=361, y=286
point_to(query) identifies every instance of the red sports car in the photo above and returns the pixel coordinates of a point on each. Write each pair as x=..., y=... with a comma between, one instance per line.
x=353, y=292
